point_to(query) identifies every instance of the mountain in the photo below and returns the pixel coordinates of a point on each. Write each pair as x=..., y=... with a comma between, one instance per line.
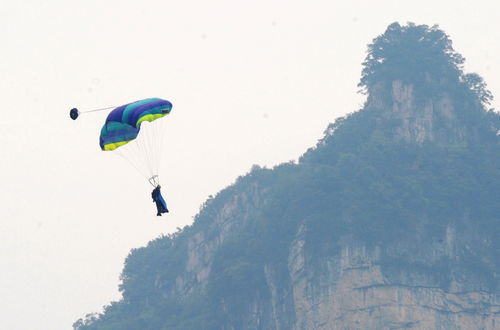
x=391, y=221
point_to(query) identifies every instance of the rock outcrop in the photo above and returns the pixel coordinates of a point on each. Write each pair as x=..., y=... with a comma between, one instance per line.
x=417, y=121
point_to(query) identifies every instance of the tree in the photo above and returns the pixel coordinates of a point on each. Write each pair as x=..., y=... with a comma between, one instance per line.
x=478, y=86
x=415, y=53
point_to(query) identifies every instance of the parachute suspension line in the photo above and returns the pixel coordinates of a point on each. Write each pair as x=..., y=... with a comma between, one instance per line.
x=157, y=152
x=148, y=148
x=137, y=151
x=144, y=145
x=156, y=142
x=120, y=154
x=161, y=129
x=144, y=149
x=155, y=146
x=128, y=152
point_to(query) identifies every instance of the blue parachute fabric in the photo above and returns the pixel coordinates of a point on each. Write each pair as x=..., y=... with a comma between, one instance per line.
x=124, y=122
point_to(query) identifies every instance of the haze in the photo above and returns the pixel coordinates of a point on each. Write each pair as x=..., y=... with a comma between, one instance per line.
x=251, y=83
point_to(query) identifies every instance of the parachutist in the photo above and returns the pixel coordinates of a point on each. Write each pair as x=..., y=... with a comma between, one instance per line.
x=123, y=126
x=161, y=205
x=73, y=113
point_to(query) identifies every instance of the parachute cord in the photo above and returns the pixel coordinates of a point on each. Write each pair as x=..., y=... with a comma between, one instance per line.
x=156, y=142
x=144, y=146
x=139, y=156
x=144, y=152
x=101, y=109
x=131, y=163
x=160, y=131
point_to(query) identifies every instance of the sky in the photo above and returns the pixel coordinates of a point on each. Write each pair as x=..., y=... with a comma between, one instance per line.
x=251, y=82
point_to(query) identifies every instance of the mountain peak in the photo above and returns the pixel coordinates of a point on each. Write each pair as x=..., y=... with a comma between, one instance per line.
x=415, y=81
x=412, y=53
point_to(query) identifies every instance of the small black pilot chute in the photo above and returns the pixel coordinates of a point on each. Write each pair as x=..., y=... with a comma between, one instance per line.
x=73, y=113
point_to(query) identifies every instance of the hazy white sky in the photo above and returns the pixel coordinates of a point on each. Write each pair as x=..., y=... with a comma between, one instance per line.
x=252, y=82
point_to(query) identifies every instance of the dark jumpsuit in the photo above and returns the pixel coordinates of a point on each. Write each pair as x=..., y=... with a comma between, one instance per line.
x=161, y=205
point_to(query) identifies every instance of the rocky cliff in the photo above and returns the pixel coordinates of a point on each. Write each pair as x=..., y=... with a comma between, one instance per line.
x=360, y=286
x=433, y=119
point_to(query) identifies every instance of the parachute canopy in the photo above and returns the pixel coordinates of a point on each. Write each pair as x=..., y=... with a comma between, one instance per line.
x=124, y=123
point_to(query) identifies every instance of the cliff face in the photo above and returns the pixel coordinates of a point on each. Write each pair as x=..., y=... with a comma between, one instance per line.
x=433, y=119
x=230, y=218
x=353, y=288
x=355, y=292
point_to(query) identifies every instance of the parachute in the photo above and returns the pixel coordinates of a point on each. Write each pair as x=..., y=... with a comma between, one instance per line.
x=135, y=132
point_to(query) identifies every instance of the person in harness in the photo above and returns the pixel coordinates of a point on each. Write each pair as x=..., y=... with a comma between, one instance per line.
x=161, y=205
